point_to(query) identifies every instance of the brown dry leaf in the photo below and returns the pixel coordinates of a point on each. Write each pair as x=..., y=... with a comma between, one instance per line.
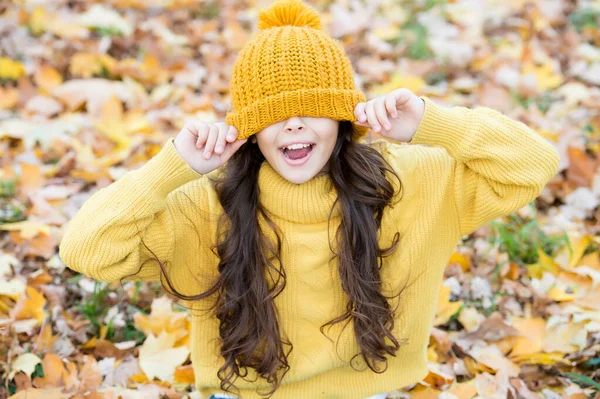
x=41, y=244
x=581, y=168
x=89, y=375
x=45, y=340
x=494, y=328
x=31, y=178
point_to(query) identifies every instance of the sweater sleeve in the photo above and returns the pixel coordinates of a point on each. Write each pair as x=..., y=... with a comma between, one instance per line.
x=495, y=165
x=104, y=239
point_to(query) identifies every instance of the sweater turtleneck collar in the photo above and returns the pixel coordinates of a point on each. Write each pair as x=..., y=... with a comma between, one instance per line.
x=309, y=202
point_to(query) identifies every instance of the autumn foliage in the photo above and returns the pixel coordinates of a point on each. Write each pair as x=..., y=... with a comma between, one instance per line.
x=90, y=90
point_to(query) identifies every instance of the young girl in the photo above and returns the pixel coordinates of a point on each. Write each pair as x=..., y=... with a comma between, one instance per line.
x=321, y=253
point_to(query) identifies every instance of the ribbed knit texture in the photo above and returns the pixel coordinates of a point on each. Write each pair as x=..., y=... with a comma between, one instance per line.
x=463, y=168
x=291, y=68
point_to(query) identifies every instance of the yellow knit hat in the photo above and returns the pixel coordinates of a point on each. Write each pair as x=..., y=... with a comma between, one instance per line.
x=291, y=68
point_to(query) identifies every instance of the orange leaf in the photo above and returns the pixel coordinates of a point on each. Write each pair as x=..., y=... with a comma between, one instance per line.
x=54, y=372
x=47, y=78
x=581, y=169
x=184, y=374
x=30, y=305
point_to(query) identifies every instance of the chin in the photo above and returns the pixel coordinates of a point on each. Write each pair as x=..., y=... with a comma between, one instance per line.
x=297, y=176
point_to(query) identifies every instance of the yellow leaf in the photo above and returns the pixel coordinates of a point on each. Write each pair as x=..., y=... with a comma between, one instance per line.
x=432, y=355
x=25, y=363
x=87, y=65
x=11, y=69
x=37, y=23
x=579, y=248
x=398, y=80
x=463, y=261
x=531, y=336
x=27, y=229
x=445, y=308
x=541, y=358
x=119, y=126
x=544, y=264
x=162, y=318
x=158, y=358
x=560, y=294
x=546, y=78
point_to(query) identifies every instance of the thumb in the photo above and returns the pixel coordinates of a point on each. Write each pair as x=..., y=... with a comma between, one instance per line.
x=230, y=149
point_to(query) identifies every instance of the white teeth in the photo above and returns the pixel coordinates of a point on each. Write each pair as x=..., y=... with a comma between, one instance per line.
x=297, y=146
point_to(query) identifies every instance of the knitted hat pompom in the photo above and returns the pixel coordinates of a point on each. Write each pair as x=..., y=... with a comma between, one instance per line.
x=289, y=12
x=291, y=67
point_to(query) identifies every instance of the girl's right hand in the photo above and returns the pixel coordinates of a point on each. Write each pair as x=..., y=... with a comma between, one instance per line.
x=207, y=146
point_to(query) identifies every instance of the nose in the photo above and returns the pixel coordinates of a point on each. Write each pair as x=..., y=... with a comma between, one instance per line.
x=294, y=125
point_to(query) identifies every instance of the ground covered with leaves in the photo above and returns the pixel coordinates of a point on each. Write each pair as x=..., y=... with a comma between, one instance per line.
x=90, y=90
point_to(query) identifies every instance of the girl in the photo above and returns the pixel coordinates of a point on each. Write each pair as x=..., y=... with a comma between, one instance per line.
x=322, y=254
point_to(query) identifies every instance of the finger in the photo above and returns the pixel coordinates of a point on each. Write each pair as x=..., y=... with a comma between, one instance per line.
x=202, y=132
x=232, y=134
x=390, y=105
x=220, y=145
x=230, y=149
x=402, y=96
x=381, y=113
x=372, y=117
x=359, y=112
x=210, y=142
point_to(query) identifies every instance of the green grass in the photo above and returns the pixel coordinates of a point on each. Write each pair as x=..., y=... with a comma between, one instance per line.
x=94, y=308
x=417, y=36
x=585, y=18
x=8, y=188
x=520, y=239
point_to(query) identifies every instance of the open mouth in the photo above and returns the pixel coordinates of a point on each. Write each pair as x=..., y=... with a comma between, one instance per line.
x=297, y=154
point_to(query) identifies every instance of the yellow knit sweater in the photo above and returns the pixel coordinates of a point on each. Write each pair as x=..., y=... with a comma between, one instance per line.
x=463, y=168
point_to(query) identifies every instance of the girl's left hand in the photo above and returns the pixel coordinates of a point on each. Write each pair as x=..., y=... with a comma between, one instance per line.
x=399, y=113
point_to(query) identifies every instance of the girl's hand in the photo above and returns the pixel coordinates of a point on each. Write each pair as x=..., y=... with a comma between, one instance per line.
x=396, y=115
x=205, y=146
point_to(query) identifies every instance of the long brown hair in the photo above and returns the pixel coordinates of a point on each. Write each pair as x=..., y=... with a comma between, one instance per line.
x=249, y=329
